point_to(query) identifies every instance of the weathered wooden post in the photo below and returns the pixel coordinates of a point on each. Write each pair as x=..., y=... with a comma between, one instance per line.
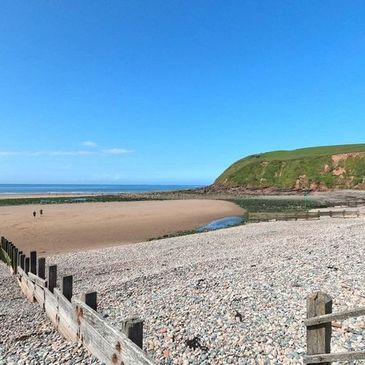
x=27, y=265
x=15, y=260
x=42, y=267
x=10, y=252
x=319, y=336
x=33, y=262
x=133, y=329
x=22, y=261
x=52, y=277
x=19, y=254
x=90, y=299
x=67, y=287
x=10, y=249
x=12, y=256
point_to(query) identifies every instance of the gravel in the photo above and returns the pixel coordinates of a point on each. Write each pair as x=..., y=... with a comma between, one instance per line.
x=233, y=296
x=26, y=335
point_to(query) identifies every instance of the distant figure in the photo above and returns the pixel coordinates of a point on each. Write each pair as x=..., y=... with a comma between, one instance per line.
x=34, y=214
x=41, y=212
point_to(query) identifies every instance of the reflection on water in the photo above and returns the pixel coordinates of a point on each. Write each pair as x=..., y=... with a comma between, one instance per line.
x=221, y=223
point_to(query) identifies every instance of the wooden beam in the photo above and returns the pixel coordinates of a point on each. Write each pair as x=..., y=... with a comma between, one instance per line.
x=66, y=317
x=26, y=285
x=339, y=316
x=104, y=341
x=328, y=358
x=37, y=280
x=319, y=336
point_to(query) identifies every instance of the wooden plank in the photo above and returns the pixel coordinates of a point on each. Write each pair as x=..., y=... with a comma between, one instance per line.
x=27, y=263
x=105, y=342
x=326, y=318
x=37, y=280
x=38, y=294
x=30, y=288
x=67, y=321
x=267, y=216
x=328, y=358
x=26, y=286
x=51, y=307
x=21, y=272
x=319, y=336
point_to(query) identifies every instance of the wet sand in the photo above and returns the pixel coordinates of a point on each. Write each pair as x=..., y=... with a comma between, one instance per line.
x=77, y=227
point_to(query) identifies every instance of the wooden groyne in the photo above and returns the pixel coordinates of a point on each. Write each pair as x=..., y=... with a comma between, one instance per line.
x=319, y=330
x=301, y=215
x=75, y=317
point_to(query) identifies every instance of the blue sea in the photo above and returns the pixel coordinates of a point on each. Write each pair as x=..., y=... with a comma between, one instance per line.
x=87, y=188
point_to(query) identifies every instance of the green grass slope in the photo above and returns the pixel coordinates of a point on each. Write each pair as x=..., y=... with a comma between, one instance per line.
x=316, y=168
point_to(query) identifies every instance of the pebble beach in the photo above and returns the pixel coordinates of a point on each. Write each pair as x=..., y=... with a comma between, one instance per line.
x=233, y=296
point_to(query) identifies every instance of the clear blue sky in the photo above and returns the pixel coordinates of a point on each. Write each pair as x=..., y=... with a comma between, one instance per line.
x=173, y=91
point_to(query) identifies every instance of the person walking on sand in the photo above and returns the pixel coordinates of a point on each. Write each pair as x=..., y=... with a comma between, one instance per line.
x=34, y=214
x=41, y=212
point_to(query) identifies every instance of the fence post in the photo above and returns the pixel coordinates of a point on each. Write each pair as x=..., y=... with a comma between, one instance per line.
x=22, y=261
x=19, y=255
x=52, y=277
x=90, y=299
x=15, y=260
x=10, y=248
x=319, y=336
x=133, y=329
x=42, y=267
x=67, y=287
x=33, y=262
x=27, y=265
x=10, y=253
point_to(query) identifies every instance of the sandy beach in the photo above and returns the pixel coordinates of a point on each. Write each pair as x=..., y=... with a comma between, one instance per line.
x=74, y=227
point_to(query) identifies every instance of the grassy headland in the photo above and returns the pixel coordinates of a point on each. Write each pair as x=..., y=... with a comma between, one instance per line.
x=316, y=168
